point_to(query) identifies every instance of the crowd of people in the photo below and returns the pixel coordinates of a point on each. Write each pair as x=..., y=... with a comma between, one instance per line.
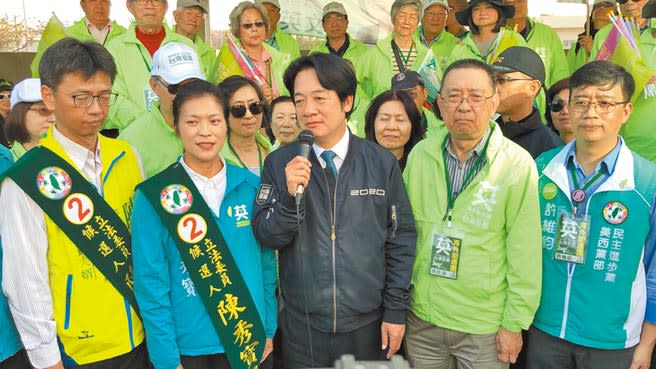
x=464, y=193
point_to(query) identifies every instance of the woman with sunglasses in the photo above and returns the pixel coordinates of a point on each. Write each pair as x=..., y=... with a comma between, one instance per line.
x=29, y=119
x=580, y=53
x=5, y=95
x=211, y=259
x=245, y=146
x=558, y=113
x=485, y=19
x=249, y=24
x=394, y=123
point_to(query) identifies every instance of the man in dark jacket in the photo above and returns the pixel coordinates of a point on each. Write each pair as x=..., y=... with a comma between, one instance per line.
x=520, y=77
x=347, y=248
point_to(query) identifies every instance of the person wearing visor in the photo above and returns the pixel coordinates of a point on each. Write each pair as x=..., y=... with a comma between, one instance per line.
x=245, y=145
x=28, y=119
x=558, y=114
x=520, y=74
x=153, y=134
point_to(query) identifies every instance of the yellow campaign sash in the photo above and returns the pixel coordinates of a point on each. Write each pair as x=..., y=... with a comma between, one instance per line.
x=81, y=213
x=211, y=266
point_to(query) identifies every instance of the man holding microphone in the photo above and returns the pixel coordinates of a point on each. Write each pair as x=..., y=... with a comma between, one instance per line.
x=347, y=248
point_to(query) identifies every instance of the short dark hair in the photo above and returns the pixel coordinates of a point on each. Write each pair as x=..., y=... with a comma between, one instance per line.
x=416, y=130
x=471, y=64
x=15, y=129
x=332, y=71
x=497, y=27
x=72, y=56
x=603, y=74
x=269, y=115
x=230, y=85
x=192, y=90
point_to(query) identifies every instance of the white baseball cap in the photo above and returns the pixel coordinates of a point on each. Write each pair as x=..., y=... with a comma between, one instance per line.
x=27, y=90
x=175, y=62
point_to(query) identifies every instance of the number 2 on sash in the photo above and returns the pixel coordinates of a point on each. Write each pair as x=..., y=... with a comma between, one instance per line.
x=78, y=208
x=192, y=228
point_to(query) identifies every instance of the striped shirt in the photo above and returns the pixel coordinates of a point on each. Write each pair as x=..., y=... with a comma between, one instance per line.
x=404, y=53
x=458, y=170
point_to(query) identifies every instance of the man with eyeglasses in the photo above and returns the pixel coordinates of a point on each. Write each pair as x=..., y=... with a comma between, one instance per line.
x=520, y=75
x=473, y=192
x=189, y=19
x=431, y=32
x=5, y=95
x=276, y=36
x=597, y=200
x=67, y=267
x=133, y=53
x=94, y=26
x=639, y=130
x=335, y=23
x=153, y=134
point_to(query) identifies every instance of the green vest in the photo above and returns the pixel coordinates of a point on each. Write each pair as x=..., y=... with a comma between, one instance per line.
x=598, y=305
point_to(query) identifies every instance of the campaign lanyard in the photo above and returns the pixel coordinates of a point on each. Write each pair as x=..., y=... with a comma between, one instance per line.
x=259, y=155
x=579, y=193
x=468, y=178
x=401, y=60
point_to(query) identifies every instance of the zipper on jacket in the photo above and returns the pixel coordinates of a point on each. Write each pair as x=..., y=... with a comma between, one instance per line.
x=394, y=221
x=333, y=237
x=568, y=290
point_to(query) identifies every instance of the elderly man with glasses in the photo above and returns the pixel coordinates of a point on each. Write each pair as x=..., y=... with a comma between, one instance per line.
x=133, y=53
x=473, y=193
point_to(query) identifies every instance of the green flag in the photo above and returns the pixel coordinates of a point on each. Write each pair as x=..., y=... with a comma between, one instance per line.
x=53, y=32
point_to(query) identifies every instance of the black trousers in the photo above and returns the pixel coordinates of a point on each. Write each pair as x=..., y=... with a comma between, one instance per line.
x=364, y=343
x=215, y=361
x=18, y=361
x=135, y=359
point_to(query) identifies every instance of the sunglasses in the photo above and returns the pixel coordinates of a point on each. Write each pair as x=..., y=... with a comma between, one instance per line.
x=238, y=111
x=258, y=24
x=557, y=105
x=5, y=96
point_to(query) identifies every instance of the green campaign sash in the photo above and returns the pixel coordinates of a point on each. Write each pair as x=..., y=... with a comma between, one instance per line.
x=210, y=264
x=81, y=213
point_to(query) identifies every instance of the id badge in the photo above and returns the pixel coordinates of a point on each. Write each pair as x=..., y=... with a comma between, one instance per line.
x=150, y=98
x=572, y=238
x=445, y=255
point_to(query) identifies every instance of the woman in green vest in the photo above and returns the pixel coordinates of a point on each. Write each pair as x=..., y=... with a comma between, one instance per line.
x=245, y=146
x=485, y=19
x=29, y=119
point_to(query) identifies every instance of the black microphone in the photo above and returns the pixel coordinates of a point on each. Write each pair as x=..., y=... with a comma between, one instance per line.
x=305, y=140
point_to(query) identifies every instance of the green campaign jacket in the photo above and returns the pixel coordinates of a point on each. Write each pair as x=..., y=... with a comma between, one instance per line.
x=80, y=32
x=206, y=54
x=286, y=44
x=442, y=47
x=133, y=65
x=354, y=51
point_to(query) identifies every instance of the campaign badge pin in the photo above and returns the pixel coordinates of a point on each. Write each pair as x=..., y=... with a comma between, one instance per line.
x=615, y=212
x=549, y=191
x=263, y=194
x=54, y=183
x=176, y=199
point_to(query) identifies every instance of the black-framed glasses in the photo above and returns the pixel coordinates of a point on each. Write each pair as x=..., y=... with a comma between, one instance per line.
x=239, y=111
x=557, y=105
x=85, y=100
x=5, y=96
x=41, y=110
x=501, y=80
x=258, y=24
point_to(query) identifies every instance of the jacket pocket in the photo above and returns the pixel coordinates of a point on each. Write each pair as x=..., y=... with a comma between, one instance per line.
x=69, y=292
